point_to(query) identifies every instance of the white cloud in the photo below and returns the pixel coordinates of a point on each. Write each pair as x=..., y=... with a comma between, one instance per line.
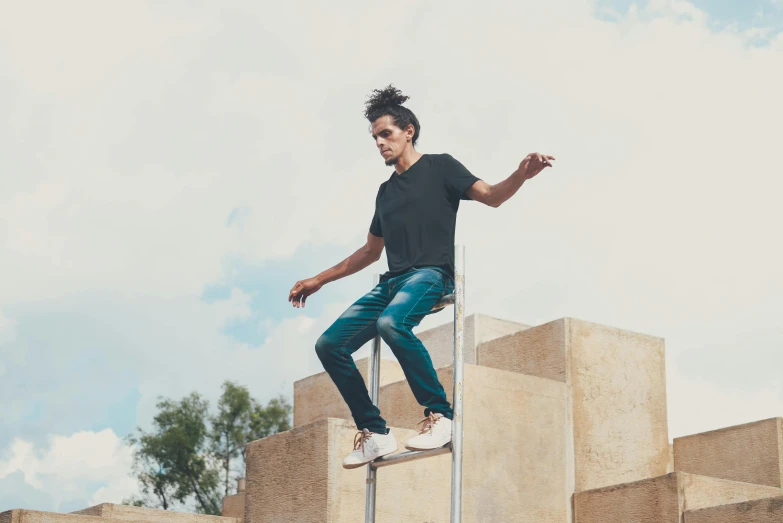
x=698, y=405
x=7, y=329
x=7, y=335
x=71, y=464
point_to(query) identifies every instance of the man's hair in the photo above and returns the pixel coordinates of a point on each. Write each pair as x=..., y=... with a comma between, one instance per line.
x=388, y=101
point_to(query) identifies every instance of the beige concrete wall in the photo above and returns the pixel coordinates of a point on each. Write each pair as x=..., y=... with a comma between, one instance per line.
x=234, y=506
x=537, y=351
x=36, y=516
x=617, y=394
x=149, y=515
x=297, y=477
x=648, y=501
x=316, y=397
x=663, y=499
x=514, y=463
x=752, y=452
x=479, y=328
x=767, y=510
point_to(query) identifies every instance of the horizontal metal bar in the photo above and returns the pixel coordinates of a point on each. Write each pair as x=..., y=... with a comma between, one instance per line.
x=411, y=455
x=444, y=302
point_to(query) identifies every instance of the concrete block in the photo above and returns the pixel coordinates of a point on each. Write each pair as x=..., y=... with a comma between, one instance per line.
x=36, y=516
x=514, y=436
x=617, y=394
x=766, y=510
x=297, y=477
x=127, y=513
x=752, y=452
x=316, y=397
x=234, y=506
x=479, y=328
x=663, y=499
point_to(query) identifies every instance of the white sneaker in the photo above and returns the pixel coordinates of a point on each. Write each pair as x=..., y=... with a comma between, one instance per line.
x=435, y=432
x=368, y=446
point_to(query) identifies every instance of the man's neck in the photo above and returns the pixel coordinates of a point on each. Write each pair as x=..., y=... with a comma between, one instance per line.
x=406, y=160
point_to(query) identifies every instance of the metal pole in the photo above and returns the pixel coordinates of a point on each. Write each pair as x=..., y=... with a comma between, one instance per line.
x=375, y=381
x=459, y=371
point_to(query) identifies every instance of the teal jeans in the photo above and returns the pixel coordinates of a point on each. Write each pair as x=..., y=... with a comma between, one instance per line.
x=392, y=309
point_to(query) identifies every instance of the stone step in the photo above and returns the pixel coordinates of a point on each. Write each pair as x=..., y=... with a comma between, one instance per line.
x=514, y=466
x=751, y=452
x=663, y=499
x=37, y=516
x=766, y=510
x=617, y=394
x=316, y=397
x=479, y=328
x=126, y=513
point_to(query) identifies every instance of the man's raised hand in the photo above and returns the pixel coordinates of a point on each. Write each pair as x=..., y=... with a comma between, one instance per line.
x=534, y=163
x=302, y=289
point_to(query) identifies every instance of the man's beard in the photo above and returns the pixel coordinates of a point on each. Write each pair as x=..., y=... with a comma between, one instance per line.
x=392, y=161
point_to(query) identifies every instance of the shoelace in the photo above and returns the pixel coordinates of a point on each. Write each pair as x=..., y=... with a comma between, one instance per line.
x=428, y=422
x=361, y=438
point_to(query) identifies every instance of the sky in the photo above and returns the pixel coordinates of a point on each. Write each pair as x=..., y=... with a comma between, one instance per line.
x=168, y=171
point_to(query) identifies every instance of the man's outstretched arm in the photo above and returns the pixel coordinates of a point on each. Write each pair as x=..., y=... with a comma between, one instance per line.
x=366, y=255
x=495, y=195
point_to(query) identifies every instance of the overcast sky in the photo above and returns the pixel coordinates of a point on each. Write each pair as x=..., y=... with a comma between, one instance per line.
x=168, y=170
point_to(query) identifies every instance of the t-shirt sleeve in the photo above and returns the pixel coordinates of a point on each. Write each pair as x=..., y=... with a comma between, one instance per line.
x=457, y=177
x=375, y=224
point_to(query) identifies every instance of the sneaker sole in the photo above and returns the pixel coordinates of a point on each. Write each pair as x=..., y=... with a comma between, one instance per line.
x=364, y=463
x=409, y=447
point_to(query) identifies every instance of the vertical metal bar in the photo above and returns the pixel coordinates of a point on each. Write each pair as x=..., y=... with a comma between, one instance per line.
x=459, y=371
x=375, y=374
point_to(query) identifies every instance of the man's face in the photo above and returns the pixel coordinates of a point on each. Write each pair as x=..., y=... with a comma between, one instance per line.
x=390, y=139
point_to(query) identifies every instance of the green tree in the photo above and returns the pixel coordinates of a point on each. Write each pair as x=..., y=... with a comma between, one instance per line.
x=230, y=426
x=189, y=454
x=172, y=462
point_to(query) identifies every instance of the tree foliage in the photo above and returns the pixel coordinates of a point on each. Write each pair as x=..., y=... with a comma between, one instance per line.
x=189, y=455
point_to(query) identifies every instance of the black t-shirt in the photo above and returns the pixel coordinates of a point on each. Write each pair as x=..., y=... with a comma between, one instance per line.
x=416, y=213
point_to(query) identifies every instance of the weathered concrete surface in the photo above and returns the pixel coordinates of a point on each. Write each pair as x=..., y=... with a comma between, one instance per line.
x=663, y=499
x=36, y=516
x=479, y=329
x=148, y=515
x=617, y=394
x=297, y=477
x=316, y=397
x=515, y=463
x=767, y=510
x=752, y=452
x=234, y=506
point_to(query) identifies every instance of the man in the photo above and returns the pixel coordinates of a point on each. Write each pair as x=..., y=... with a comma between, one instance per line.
x=415, y=220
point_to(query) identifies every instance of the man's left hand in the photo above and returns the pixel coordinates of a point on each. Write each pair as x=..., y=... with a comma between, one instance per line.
x=534, y=163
